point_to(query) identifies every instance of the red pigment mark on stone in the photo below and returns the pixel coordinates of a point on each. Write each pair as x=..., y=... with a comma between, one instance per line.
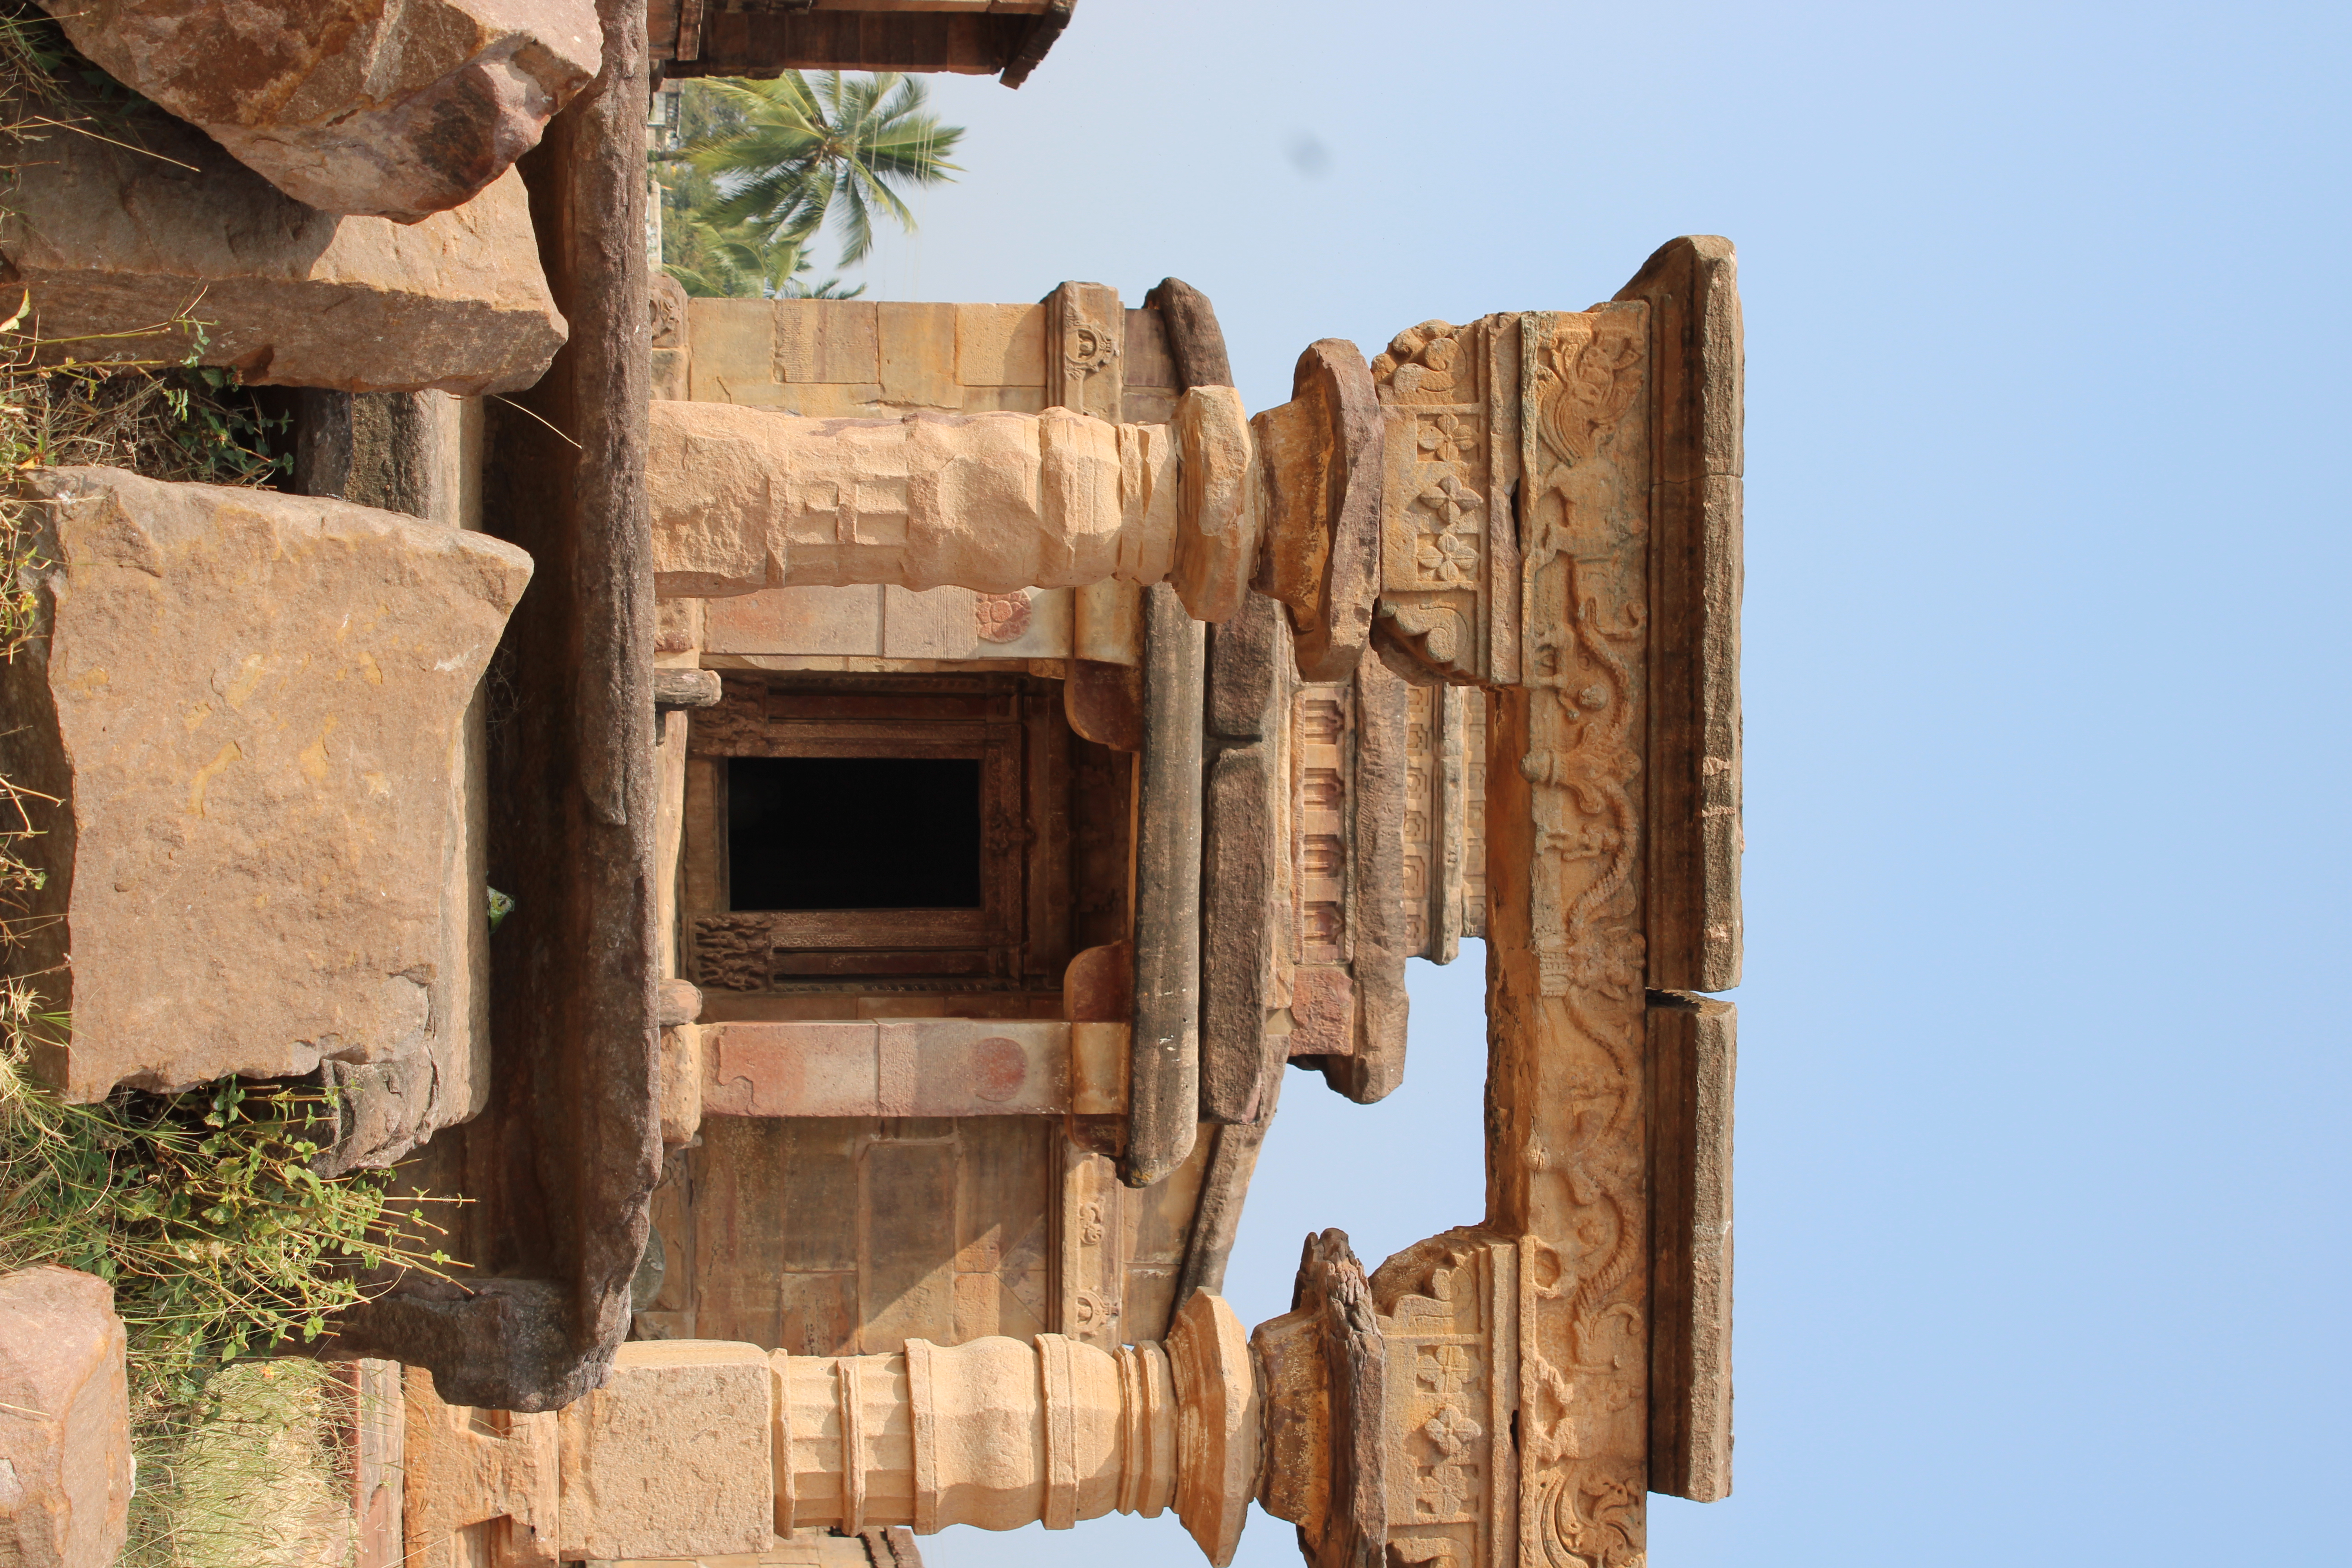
x=999, y=1068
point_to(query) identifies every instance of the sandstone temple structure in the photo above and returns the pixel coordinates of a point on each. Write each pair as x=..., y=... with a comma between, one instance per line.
x=949, y=762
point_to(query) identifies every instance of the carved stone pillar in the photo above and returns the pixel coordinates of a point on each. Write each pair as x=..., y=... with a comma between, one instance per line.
x=1000, y=1434
x=700, y=1447
x=743, y=499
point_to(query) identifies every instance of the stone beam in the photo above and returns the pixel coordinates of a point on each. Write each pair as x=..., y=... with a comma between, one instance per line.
x=112, y=244
x=914, y=1066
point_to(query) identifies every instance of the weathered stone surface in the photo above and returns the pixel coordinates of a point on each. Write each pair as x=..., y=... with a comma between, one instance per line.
x=250, y=704
x=480, y=1486
x=1243, y=846
x=107, y=240
x=1693, y=1051
x=993, y=1433
x=682, y=1084
x=898, y=1066
x=379, y=1461
x=1353, y=761
x=1220, y=508
x=1218, y=1417
x=65, y=1421
x=1691, y=900
x=742, y=499
x=1085, y=342
x=352, y=106
x=1327, y=1444
x=686, y=688
x=1195, y=342
x=671, y=1457
x=1164, y=1076
x=1322, y=555
x=573, y=806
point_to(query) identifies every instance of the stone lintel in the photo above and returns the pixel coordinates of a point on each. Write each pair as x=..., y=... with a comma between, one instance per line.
x=107, y=240
x=914, y=1066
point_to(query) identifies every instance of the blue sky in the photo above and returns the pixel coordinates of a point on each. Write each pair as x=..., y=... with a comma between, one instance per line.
x=2043, y=1150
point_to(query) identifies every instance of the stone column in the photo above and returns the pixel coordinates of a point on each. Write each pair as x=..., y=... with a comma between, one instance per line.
x=744, y=499
x=1000, y=1434
x=700, y=1448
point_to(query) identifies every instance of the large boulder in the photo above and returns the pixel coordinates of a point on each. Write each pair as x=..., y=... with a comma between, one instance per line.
x=65, y=1421
x=110, y=240
x=249, y=706
x=353, y=106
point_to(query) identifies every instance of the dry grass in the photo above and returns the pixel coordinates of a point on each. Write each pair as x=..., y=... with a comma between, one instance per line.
x=263, y=1480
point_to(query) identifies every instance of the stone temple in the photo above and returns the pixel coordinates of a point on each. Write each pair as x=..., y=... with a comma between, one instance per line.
x=948, y=760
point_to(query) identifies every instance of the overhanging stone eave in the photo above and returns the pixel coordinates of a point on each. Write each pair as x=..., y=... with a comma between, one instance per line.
x=692, y=37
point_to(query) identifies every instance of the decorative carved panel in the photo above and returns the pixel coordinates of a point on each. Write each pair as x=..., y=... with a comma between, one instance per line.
x=1085, y=342
x=1449, y=1309
x=1569, y=1138
x=1450, y=462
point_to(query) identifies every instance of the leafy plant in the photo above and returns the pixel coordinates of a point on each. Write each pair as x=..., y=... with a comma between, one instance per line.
x=162, y=413
x=201, y=1208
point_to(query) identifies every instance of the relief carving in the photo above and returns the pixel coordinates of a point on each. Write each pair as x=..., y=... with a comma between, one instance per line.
x=733, y=953
x=1434, y=506
x=1577, y=1040
x=1088, y=328
x=1447, y=1315
x=1001, y=617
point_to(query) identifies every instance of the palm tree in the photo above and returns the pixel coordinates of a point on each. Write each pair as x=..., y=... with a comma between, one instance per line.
x=785, y=156
x=740, y=261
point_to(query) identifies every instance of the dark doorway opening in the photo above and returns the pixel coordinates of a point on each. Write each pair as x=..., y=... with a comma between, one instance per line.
x=853, y=833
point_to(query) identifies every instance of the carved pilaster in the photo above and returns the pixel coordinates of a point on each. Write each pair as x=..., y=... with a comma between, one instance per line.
x=1449, y=1313
x=1450, y=465
x=1567, y=1120
x=1093, y=1267
x=1085, y=338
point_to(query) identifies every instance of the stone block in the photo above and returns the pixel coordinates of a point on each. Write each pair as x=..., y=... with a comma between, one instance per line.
x=670, y=1458
x=107, y=240
x=672, y=375
x=957, y=623
x=1149, y=362
x=1004, y=400
x=1221, y=509
x=250, y=706
x=833, y=341
x=352, y=106
x=840, y=621
x=1000, y=346
x=65, y=1421
x=479, y=1486
x=918, y=345
x=911, y=1067
x=682, y=1084
x=732, y=346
